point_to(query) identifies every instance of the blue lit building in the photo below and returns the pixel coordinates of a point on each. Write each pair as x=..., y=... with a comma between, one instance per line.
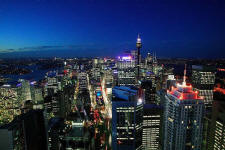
x=127, y=112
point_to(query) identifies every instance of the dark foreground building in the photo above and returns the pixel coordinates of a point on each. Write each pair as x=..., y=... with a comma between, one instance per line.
x=127, y=113
x=26, y=131
x=217, y=128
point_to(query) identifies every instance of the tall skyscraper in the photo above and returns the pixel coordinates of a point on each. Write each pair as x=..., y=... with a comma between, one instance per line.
x=217, y=127
x=149, y=91
x=127, y=113
x=138, y=45
x=170, y=82
x=203, y=79
x=9, y=103
x=82, y=78
x=24, y=91
x=183, y=116
x=151, y=127
x=149, y=62
x=126, y=70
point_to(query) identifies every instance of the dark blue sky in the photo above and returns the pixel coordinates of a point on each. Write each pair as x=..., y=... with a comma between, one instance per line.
x=184, y=28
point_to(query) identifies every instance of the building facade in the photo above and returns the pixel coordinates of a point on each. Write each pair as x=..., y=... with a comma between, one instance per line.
x=183, y=119
x=127, y=112
x=203, y=80
x=217, y=126
x=151, y=127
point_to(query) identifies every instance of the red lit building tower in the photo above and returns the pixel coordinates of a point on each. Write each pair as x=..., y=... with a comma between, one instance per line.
x=183, y=118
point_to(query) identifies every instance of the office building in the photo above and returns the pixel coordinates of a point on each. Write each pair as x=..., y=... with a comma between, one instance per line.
x=127, y=113
x=183, y=118
x=24, y=90
x=53, y=84
x=149, y=62
x=9, y=103
x=82, y=78
x=126, y=70
x=203, y=79
x=149, y=92
x=217, y=128
x=151, y=127
x=170, y=82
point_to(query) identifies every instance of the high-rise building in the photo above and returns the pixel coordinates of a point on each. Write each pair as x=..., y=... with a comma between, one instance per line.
x=95, y=63
x=183, y=118
x=149, y=62
x=203, y=79
x=24, y=90
x=52, y=85
x=96, y=73
x=149, y=91
x=151, y=127
x=9, y=103
x=127, y=113
x=126, y=70
x=217, y=127
x=82, y=78
x=170, y=82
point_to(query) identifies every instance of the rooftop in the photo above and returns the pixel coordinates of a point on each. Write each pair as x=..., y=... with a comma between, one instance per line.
x=184, y=92
x=124, y=92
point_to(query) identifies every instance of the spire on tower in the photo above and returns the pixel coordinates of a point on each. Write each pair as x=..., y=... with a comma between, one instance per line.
x=184, y=79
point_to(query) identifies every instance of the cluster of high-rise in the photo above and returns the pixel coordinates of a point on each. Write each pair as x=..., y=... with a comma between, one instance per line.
x=129, y=102
x=13, y=97
x=176, y=115
x=136, y=118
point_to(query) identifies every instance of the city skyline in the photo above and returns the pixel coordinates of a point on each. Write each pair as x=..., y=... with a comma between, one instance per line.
x=112, y=75
x=99, y=28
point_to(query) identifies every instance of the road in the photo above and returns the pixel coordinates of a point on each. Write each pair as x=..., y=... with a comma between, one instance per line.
x=92, y=95
x=108, y=104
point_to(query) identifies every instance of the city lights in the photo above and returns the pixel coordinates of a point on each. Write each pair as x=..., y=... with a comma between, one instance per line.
x=112, y=75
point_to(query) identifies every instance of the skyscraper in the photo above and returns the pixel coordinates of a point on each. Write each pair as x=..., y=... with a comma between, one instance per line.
x=149, y=62
x=151, y=127
x=217, y=127
x=24, y=91
x=183, y=116
x=203, y=79
x=149, y=91
x=126, y=70
x=127, y=112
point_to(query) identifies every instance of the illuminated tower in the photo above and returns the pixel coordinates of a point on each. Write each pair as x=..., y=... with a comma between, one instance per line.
x=183, y=118
x=138, y=45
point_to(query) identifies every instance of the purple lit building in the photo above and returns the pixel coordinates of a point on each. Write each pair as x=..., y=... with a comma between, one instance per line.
x=126, y=70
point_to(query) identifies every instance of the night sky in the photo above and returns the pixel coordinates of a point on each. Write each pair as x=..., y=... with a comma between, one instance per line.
x=84, y=28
